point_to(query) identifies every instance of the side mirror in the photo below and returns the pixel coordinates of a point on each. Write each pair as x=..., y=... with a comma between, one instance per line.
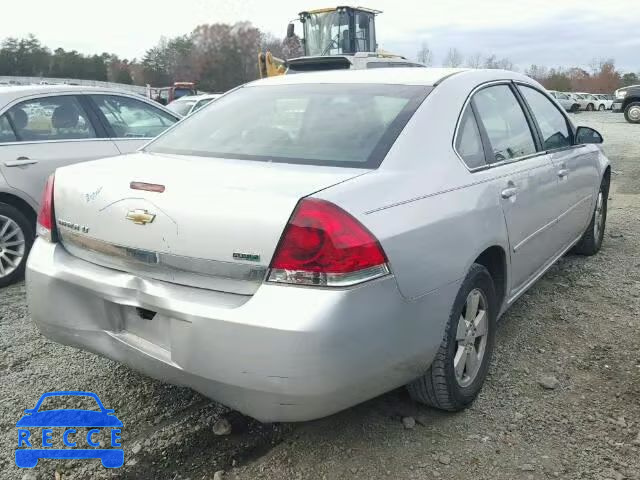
x=588, y=135
x=291, y=30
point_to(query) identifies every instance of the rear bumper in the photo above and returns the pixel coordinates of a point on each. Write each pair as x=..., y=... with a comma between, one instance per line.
x=283, y=354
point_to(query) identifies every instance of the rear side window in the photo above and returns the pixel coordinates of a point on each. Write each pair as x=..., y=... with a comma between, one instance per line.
x=552, y=123
x=6, y=132
x=51, y=118
x=469, y=141
x=505, y=123
x=131, y=118
x=348, y=125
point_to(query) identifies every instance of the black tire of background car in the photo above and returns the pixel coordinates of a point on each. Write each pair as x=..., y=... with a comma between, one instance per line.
x=29, y=235
x=626, y=112
x=438, y=387
x=601, y=108
x=590, y=107
x=589, y=244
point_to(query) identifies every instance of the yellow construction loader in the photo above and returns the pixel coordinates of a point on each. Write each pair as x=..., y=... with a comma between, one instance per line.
x=334, y=38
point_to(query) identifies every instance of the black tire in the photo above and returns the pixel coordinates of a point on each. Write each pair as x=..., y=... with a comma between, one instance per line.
x=601, y=108
x=590, y=107
x=591, y=240
x=575, y=108
x=439, y=387
x=27, y=228
x=627, y=112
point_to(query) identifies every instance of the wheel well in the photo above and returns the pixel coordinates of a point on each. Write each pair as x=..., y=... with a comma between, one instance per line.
x=607, y=177
x=20, y=204
x=629, y=100
x=494, y=259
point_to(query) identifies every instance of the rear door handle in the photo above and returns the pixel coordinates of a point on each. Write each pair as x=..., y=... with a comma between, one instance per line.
x=563, y=172
x=19, y=162
x=509, y=192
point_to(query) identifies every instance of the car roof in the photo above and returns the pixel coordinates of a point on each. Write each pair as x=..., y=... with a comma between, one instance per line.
x=399, y=76
x=10, y=93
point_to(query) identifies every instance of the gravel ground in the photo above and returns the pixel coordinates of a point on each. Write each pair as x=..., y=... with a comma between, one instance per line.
x=580, y=325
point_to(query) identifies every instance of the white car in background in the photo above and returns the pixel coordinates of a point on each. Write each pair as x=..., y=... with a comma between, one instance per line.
x=590, y=102
x=185, y=106
x=605, y=99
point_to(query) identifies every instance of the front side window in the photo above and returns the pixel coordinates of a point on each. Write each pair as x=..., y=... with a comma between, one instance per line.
x=131, y=118
x=469, y=141
x=50, y=118
x=505, y=123
x=350, y=125
x=6, y=132
x=552, y=123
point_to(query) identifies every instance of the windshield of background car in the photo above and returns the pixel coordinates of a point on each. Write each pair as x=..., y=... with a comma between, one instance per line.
x=349, y=125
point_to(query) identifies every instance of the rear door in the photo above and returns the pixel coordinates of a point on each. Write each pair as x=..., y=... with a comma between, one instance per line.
x=576, y=166
x=131, y=122
x=44, y=133
x=528, y=183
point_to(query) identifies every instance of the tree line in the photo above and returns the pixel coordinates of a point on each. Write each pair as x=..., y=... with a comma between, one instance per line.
x=215, y=56
x=601, y=76
x=221, y=56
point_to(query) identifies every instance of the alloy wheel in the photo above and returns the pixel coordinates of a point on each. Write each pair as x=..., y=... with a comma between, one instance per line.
x=634, y=113
x=12, y=246
x=471, y=338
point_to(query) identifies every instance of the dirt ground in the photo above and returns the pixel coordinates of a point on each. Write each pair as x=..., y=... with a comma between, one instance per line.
x=580, y=324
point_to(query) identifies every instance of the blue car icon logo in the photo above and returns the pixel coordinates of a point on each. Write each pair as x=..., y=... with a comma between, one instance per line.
x=32, y=447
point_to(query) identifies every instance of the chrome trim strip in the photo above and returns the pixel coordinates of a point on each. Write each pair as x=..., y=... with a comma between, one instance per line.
x=575, y=205
x=534, y=234
x=197, y=272
x=557, y=220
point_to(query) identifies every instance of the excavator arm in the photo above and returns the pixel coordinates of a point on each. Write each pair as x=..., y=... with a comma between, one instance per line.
x=270, y=66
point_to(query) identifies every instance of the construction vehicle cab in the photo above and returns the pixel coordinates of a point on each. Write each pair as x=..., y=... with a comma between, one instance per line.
x=334, y=38
x=338, y=31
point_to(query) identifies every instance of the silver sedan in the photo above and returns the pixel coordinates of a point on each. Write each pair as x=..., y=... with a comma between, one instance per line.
x=308, y=242
x=43, y=127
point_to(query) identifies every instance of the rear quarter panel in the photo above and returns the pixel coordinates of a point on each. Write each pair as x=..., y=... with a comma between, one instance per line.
x=431, y=215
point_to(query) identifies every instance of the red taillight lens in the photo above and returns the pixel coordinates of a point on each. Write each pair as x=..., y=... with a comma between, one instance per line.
x=46, y=221
x=324, y=245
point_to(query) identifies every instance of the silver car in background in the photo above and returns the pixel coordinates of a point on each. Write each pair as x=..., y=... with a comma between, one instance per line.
x=307, y=242
x=187, y=105
x=568, y=103
x=44, y=127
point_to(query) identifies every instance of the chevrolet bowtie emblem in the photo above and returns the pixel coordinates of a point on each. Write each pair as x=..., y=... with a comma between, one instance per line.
x=140, y=217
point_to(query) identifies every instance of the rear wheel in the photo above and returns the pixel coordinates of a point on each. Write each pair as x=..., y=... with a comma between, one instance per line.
x=455, y=377
x=601, y=108
x=591, y=240
x=590, y=107
x=16, y=238
x=632, y=112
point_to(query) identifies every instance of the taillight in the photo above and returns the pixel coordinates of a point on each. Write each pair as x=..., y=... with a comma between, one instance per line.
x=323, y=245
x=45, y=227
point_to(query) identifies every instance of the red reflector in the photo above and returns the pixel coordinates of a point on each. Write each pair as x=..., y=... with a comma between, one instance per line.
x=46, y=222
x=323, y=238
x=148, y=187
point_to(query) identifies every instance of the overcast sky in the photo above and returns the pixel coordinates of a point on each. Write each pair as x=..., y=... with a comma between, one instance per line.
x=547, y=32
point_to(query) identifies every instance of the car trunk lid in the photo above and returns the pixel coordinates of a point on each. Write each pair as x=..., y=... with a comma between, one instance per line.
x=215, y=225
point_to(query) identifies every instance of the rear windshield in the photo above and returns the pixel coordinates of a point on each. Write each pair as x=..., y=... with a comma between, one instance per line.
x=350, y=125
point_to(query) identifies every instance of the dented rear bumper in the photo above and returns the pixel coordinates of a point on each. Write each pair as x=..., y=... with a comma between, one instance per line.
x=283, y=354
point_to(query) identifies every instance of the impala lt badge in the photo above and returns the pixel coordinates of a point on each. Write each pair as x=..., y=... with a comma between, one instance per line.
x=140, y=217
